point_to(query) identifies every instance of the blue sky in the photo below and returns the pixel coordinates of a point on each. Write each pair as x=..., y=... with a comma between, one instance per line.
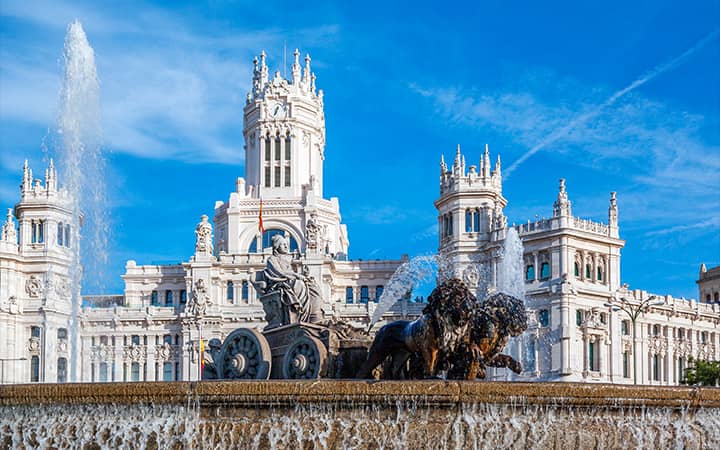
x=403, y=83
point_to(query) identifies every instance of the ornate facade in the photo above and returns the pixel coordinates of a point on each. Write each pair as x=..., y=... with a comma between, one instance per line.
x=153, y=330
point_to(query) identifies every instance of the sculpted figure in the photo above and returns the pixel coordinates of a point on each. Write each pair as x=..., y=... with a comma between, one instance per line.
x=438, y=331
x=203, y=236
x=200, y=300
x=298, y=292
x=494, y=321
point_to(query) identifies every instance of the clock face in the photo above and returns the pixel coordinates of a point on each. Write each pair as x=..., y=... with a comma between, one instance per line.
x=278, y=110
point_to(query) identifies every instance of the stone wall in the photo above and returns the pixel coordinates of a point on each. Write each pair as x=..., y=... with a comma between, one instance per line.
x=357, y=414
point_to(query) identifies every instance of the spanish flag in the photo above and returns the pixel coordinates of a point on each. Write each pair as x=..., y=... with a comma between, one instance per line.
x=202, y=357
x=261, y=228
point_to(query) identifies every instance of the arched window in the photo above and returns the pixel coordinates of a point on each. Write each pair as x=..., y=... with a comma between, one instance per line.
x=60, y=232
x=61, y=370
x=468, y=221
x=154, y=298
x=577, y=269
x=599, y=273
x=35, y=368
x=530, y=272
x=267, y=241
x=708, y=298
x=35, y=332
x=656, y=330
x=349, y=294
x=245, y=291
x=67, y=235
x=476, y=221
x=287, y=160
x=183, y=297
x=378, y=292
x=168, y=298
x=588, y=271
x=544, y=271
x=230, y=291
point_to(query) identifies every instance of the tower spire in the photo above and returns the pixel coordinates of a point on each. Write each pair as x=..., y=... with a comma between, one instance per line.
x=486, y=161
x=296, y=67
x=498, y=170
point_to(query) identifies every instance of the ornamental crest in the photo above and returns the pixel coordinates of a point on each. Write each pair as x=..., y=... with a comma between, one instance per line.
x=33, y=286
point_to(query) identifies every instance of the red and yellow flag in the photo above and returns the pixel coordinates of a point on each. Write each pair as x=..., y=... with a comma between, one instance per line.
x=202, y=357
x=261, y=228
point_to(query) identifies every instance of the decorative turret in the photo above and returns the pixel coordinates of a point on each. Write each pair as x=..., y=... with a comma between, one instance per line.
x=284, y=129
x=27, y=178
x=485, y=168
x=561, y=207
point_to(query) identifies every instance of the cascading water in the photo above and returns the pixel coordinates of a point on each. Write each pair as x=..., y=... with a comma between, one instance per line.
x=510, y=278
x=79, y=136
x=411, y=273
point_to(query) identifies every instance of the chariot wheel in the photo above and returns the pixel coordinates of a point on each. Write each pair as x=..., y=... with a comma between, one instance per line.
x=245, y=355
x=305, y=359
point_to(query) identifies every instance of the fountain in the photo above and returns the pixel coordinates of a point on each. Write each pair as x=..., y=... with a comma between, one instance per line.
x=314, y=412
x=79, y=136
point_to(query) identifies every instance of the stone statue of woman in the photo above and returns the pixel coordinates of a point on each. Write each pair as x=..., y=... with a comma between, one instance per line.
x=298, y=292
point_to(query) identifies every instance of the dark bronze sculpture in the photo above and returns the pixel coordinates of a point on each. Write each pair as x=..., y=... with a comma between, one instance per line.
x=443, y=325
x=456, y=333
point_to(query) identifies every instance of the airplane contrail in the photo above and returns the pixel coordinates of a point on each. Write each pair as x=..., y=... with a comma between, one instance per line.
x=561, y=132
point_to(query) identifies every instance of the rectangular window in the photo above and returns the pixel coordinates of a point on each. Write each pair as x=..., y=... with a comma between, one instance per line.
x=287, y=149
x=378, y=292
x=67, y=235
x=104, y=340
x=266, y=144
x=578, y=317
x=544, y=318
x=135, y=339
x=177, y=371
x=277, y=148
x=476, y=221
x=167, y=339
x=135, y=372
x=60, y=232
x=33, y=228
x=624, y=328
x=41, y=232
x=656, y=367
x=364, y=294
x=592, y=354
x=245, y=292
x=267, y=176
x=277, y=176
x=35, y=368
x=168, y=371
x=544, y=271
x=168, y=298
x=287, y=176
x=349, y=294
x=626, y=365
x=183, y=297
x=468, y=221
x=154, y=298
x=529, y=362
x=103, y=372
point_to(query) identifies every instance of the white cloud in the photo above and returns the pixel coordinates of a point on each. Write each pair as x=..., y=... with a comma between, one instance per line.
x=170, y=89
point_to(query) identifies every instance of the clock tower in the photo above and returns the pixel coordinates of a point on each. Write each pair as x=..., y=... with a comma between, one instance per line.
x=284, y=129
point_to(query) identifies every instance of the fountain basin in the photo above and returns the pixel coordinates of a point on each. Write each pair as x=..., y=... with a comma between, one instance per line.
x=358, y=414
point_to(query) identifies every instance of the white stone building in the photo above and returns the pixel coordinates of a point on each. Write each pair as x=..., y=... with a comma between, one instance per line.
x=152, y=330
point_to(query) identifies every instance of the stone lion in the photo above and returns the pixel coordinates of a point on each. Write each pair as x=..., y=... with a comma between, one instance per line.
x=494, y=321
x=442, y=326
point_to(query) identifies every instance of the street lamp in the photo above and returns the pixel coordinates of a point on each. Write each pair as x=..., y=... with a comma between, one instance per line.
x=2, y=366
x=633, y=311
